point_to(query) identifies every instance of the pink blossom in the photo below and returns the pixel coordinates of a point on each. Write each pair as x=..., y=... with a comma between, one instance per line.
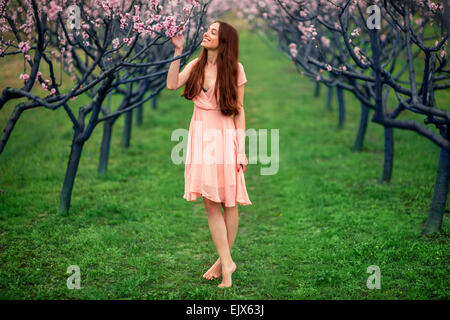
x=356, y=32
x=293, y=49
x=434, y=6
x=53, y=11
x=158, y=27
x=325, y=41
x=24, y=76
x=115, y=43
x=24, y=46
x=128, y=41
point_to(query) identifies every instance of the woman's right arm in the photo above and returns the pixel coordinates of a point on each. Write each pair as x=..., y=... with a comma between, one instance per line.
x=173, y=76
x=176, y=79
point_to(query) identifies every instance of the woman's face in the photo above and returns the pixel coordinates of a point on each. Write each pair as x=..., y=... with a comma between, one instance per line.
x=211, y=37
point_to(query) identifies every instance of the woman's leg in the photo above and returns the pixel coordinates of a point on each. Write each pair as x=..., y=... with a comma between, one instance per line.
x=231, y=216
x=219, y=234
x=232, y=222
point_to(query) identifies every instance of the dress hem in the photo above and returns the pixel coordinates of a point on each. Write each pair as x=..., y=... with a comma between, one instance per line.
x=195, y=195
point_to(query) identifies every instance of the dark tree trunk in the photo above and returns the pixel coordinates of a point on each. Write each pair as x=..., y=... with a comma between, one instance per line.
x=317, y=89
x=71, y=172
x=362, y=127
x=139, y=114
x=105, y=146
x=380, y=110
x=440, y=194
x=9, y=127
x=154, y=102
x=340, y=96
x=388, y=154
x=80, y=136
x=329, y=98
x=126, y=136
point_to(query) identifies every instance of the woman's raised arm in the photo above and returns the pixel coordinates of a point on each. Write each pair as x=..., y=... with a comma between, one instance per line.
x=182, y=77
x=175, y=79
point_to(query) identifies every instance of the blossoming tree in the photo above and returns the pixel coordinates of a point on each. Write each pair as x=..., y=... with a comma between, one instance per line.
x=106, y=46
x=373, y=49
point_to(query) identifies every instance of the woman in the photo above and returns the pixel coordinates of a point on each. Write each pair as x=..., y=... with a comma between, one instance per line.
x=215, y=83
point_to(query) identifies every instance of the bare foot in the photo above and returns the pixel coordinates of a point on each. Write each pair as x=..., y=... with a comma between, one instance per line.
x=227, y=271
x=214, y=271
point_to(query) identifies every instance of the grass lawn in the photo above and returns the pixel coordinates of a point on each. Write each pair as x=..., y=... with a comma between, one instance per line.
x=313, y=229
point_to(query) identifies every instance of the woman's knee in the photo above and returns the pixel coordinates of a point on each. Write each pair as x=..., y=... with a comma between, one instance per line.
x=211, y=206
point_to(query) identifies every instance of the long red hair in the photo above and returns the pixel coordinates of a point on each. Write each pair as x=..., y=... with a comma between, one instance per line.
x=225, y=88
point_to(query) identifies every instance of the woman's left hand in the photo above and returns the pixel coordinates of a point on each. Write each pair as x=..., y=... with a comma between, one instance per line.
x=241, y=162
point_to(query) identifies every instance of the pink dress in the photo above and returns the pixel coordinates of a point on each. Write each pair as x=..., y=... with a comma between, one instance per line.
x=210, y=167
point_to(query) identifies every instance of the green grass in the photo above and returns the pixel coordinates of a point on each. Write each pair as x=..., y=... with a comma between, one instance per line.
x=312, y=231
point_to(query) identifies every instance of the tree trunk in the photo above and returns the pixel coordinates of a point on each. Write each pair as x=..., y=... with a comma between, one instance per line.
x=139, y=114
x=329, y=98
x=154, y=102
x=340, y=95
x=126, y=136
x=362, y=127
x=388, y=154
x=71, y=172
x=317, y=90
x=105, y=146
x=9, y=127
x=440, y=194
